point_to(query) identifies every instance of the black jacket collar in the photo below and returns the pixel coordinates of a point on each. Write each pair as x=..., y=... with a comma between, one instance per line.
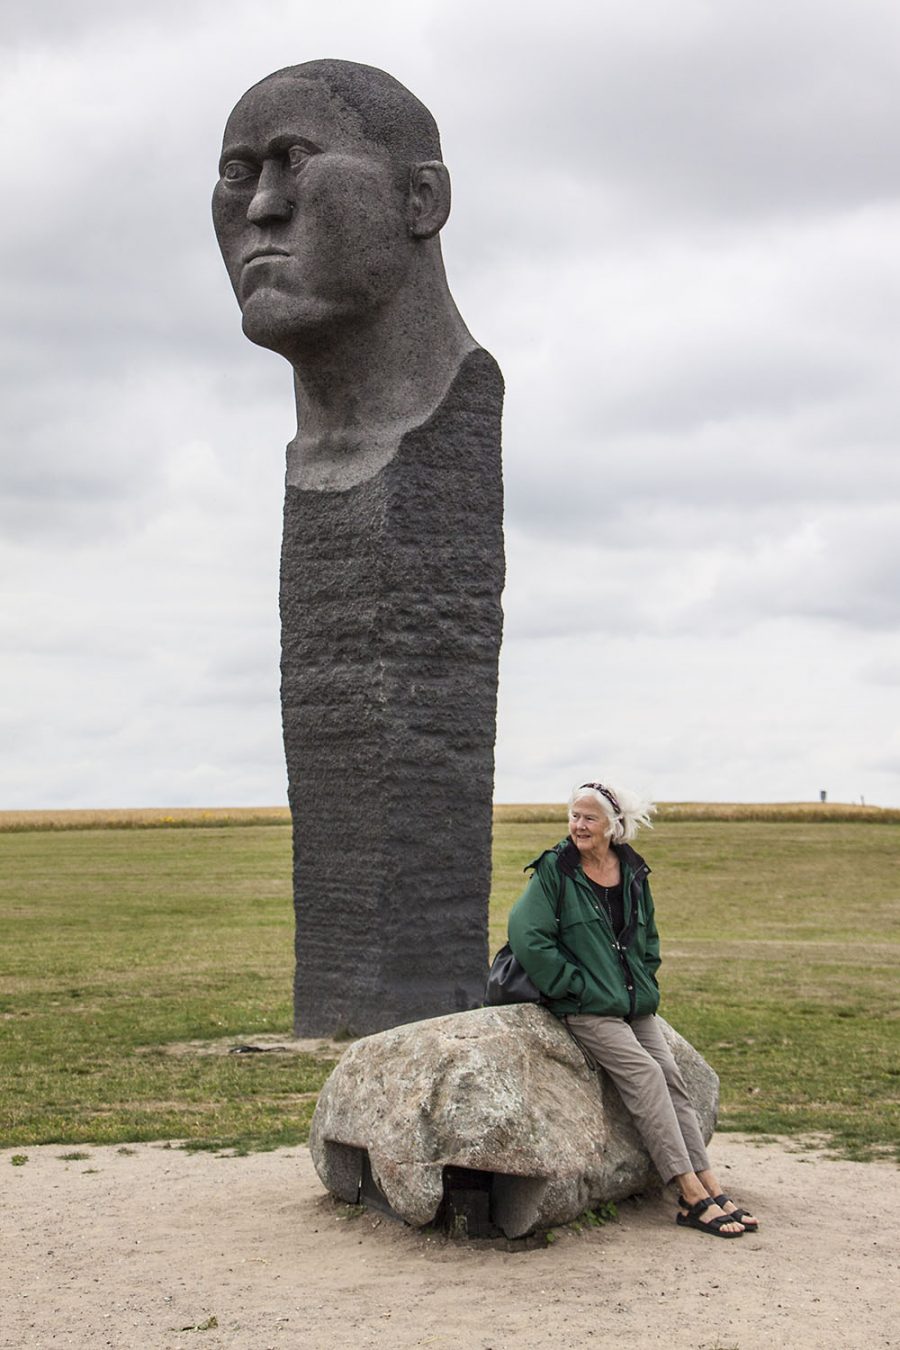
x=569, y=859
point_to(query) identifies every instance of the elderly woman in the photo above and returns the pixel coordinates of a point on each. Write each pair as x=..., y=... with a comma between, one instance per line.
x=585, y=932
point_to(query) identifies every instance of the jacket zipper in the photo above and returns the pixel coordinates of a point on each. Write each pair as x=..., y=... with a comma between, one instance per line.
x=622, y=952
x=638, y=877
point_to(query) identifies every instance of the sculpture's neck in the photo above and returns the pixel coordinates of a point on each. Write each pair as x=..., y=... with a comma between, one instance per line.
x=359, y=389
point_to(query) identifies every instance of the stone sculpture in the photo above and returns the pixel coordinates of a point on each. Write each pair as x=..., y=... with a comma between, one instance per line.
x=504, y=1092
x=328, y=207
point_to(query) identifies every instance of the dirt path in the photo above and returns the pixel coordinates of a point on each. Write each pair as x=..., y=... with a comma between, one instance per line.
x=139, y=1250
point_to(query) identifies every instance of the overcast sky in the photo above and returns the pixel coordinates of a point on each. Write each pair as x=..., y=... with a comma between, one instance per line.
x=676, y=225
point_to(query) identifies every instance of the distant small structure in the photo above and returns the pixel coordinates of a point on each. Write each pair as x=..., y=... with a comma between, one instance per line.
x=823, y=795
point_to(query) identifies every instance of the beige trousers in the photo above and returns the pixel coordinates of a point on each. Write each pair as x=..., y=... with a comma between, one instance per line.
x=640, y=1063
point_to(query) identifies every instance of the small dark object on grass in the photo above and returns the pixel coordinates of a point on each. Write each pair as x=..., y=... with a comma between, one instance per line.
x=255, y=1049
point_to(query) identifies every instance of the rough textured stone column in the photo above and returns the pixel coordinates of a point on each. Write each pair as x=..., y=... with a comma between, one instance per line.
x=390, y=606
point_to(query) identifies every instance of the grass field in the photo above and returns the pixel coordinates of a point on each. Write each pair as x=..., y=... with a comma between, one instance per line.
x=781, y=945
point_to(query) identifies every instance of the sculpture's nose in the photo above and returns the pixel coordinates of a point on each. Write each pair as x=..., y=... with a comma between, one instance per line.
x=271, y=201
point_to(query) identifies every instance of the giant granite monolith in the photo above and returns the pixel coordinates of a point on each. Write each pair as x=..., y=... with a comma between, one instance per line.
x=330, y=199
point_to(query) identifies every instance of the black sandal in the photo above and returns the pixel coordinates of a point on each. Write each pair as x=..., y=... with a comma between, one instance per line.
x=750, y=1225
x=714, y=1227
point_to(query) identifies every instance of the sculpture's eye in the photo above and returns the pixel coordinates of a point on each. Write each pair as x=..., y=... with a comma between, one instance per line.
x=297, y=155
x=238, y=171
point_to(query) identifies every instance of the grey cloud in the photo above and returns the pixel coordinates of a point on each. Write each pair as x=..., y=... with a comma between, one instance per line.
x=722, y=110
x=56, y=23
x=884, y=764
x=838, y=569
x=672, y=493
x=238, y=677
x=882, y=671
x=99, y=456
x=842, y=568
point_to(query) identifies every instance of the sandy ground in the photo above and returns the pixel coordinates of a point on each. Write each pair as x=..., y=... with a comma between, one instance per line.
x=141, y=1250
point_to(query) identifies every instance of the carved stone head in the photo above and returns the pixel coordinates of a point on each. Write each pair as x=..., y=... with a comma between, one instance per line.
x=331, y=185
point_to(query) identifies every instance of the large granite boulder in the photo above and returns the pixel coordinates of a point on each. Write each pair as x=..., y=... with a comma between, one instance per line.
x=502, y=1091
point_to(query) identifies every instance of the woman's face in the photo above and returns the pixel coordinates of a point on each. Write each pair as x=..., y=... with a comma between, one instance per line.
x=588, y=824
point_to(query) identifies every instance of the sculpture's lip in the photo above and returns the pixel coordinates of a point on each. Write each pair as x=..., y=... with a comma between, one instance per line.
x=265, y=251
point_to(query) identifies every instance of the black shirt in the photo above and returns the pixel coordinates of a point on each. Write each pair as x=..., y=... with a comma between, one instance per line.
x=612, y=902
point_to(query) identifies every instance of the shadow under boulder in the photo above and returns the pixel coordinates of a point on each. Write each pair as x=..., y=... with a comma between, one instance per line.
x=497, y=1105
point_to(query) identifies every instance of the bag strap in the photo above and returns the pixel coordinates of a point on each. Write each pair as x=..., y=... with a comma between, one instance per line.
x=559, y=898
x=562, y=883
x=557, y=849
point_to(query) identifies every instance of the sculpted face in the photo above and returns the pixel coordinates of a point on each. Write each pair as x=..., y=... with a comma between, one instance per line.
x=310, y=217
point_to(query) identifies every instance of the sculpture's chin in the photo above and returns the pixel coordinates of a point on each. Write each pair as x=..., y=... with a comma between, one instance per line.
x=268, y=322
x=266, y=334
x=287, y=325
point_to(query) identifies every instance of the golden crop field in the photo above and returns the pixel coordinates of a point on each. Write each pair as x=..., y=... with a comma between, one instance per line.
x=777, y=812
x=143, y=818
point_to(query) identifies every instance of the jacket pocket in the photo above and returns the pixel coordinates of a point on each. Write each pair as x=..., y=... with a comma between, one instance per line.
x=645, y=987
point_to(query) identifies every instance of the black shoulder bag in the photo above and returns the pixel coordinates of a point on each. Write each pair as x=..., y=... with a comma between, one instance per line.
x=508, y=981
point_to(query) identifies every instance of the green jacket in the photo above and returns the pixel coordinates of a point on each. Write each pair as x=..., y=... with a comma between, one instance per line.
x=578, y=964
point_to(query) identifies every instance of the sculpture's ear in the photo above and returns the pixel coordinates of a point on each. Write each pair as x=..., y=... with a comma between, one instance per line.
x=429, y=198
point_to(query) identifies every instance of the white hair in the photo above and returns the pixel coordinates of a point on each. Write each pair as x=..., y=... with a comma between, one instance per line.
x=624, y=823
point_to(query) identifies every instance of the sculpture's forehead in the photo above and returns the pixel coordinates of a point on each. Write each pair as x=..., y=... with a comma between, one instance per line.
x=286, y=105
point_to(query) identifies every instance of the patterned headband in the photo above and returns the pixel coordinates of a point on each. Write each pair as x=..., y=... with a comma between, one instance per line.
x=608, y=794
